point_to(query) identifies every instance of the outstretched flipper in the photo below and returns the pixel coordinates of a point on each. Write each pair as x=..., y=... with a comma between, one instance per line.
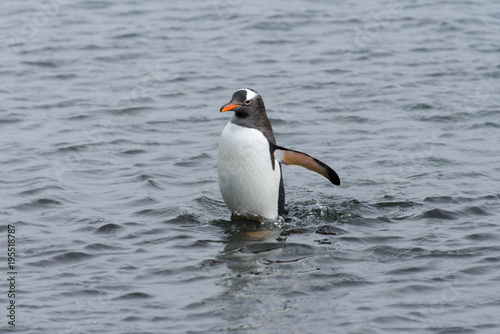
x=291, y=157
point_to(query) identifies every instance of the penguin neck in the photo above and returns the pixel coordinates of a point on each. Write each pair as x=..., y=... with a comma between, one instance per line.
x=259, y=122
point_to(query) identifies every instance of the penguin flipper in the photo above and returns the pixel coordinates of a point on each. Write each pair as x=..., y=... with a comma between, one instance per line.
x=292, y=157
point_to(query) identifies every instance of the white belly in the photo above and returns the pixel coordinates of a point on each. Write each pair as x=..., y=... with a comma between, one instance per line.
x=247, y=181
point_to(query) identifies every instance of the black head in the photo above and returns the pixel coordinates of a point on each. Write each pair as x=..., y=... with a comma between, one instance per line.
x=249, y=111
x=245, y=102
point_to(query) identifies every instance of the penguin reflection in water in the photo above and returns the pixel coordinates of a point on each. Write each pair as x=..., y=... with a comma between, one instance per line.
x=249, y=163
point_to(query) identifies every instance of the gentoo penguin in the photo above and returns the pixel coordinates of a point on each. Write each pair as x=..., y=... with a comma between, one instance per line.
x=249, y=162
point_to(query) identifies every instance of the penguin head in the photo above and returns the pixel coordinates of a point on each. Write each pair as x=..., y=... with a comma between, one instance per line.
x=250, y=112
x=245, y=103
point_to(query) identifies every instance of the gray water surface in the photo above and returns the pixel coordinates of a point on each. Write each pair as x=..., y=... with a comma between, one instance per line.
x=109, y=126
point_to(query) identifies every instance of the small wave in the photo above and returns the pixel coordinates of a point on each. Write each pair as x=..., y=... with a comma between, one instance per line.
x=43, y=63
x=419, y=106
x=194, y=160
x=42, y=203
x=108, y=228
x=68, y=257
x=82, y=293
x=134, y=152
x=134, y=296
x=128, y=110
x=482, y=236
x=330, y=230
x=101, y=247
x=479, y=270
x=440, y=214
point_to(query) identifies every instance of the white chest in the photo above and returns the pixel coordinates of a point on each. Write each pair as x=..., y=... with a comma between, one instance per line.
x=247, y=181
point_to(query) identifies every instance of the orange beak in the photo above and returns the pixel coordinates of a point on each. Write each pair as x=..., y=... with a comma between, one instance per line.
x=229, y=107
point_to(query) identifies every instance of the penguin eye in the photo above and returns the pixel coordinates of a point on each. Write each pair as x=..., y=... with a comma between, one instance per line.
x=247, y=102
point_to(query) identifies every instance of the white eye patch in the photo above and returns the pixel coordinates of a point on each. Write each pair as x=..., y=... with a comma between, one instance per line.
x=250, y=94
